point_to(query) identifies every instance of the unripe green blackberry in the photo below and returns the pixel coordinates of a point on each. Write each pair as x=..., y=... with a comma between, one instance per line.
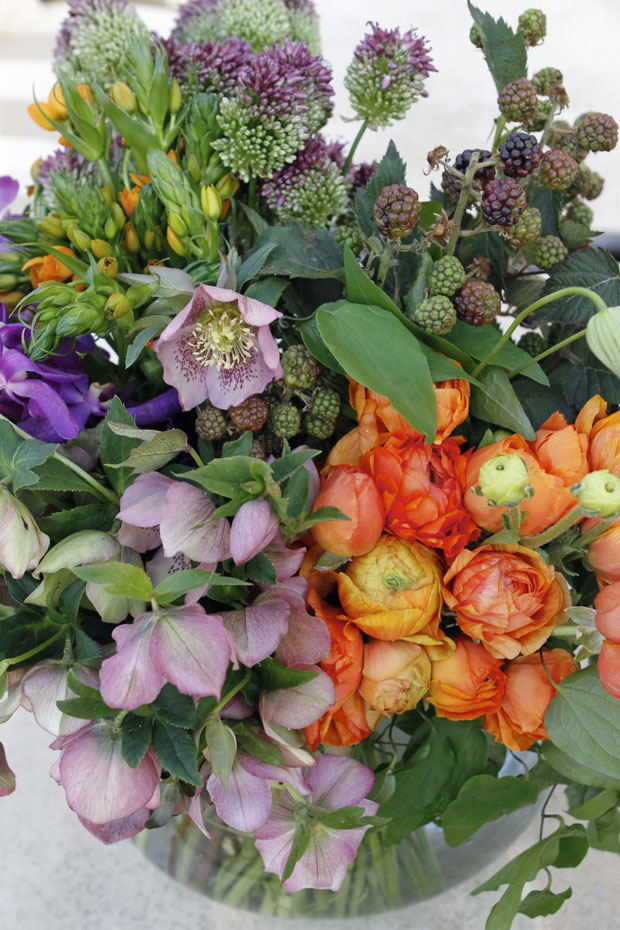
x=326, y=405
x=563, y=136
x=533, y=26
x=557, y=170
x=475, y=35
x=396, y=211
x=539, y=120
x=518, y=101
x=503, y=202
x=588, y=183
x=597, y=132
x=477, y=303
x=435, y=315
x=533, y=343
x=319, y=428
x=580, y=212
x=547, y=78
x=520, y=153
x=284, y=420
x=251, y=414
x=211, y=423
x=301, y=370
x=257, y=450
x=527, y=228
x=548, y=251
x=446, y=277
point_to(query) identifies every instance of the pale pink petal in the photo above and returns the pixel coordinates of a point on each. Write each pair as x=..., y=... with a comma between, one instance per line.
x=291, y=744
x=256, y=313
x=12, y=700
x=245, y=803
x=257, y=629
x=285, y=561
x=326, y=860
x=117, y=830
x=185, y=509
x=143, y=501
x=7, y=776
x=129, y=679
x=192, y=650
x=195, y=809
x=181, y=370
x=307, y=640
x=292, y=776
x=300, y=706
x=99, y=785
x=160, y=566
x=253, y=527
x=269, y=350
x=237, y=709
x=43, y=688
x=134, y=537
x=337, y=781
x=230, y=387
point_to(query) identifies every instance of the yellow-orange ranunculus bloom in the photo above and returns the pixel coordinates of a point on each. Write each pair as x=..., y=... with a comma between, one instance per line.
x=604, y=551
x=520, y=720
x=507, y=597
x=604, y=435
x=551, y=500
x=394, y=591
x=561, y=449
x=468, y=684
x=48, y=268
x=395, y=677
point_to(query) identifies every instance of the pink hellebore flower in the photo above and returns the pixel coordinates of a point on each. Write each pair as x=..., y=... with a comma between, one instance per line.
x=335, y=782
x=220, y=348
x=254, y=526
x=7, y=776
x=181, y=645
x=22, y=544
x=45, y=684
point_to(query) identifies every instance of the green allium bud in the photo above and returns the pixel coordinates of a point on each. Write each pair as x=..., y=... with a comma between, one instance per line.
x=259, y=24
x=599, y=494
x=504, y=480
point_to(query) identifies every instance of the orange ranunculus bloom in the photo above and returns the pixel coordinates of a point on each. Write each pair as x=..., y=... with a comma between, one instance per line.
x=551, y=501
x=520, y=720
x=394, y=591
x=604, y=551
x=505, y=596
x=607, y=603
x=355, y=494
x=48, y=268
x=395, y=677
x=609, y=668
x=422, y=490
x=467, y=684
x=344, y=723
x=604, y=435
x=561, y=449
x=377, y=418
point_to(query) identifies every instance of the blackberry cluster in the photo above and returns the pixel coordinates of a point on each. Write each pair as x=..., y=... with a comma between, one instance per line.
x=284, y=421
x=321, y=419
x=503, y=202
x=250, y=415
x=301, y=370
x=211, y=423
x=588, y=183
x=539, y=120
x=547, y=78
x=518, y=101
x=548, y=251
x=597, y=132
x=563, y=136
x=446, y=277
x=520, y=153
x=533, y=343
x=452, y=185
x=477, y=303
x=580, y=212
x=533, y=26
x=396, y=211
x=435, y=315
x=527, y=228
x=558, y=170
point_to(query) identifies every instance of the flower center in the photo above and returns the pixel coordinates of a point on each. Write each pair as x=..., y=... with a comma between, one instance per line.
x=221, y=338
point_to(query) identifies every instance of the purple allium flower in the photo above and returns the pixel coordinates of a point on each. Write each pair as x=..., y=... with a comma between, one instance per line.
x=359, y=175
x=387, y=74
x=68, y=164
x=312, y=190
x=211, y=67
x=197, y=21
x=9, y=189
x=317, y=84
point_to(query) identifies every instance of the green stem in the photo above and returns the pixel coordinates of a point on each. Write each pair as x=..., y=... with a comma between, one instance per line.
x=15, y=660
x=500, y=125
x=539, y=358
x=461, y=205
x=230, y=694
x=541, y=539
x=565, y=632
x=106, y=174
x=354, y=146
x=195, y=456
x=543, y=301
x=589, y=537
x=252, y=192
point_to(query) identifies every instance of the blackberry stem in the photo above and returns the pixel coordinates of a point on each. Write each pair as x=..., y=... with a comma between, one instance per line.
x=462, y=204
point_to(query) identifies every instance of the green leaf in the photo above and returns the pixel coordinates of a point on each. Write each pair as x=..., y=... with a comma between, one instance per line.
x=301, y=841
x=595, y=269
x=136, y=738
x=321, y=515
x=30, y=454
x=136, y=348
x=252, y=743
x=345, y=818
x=575, y=235
x=274, y=676
x=577, y=772
x=391, y=363
x=174, y=709
x=118, y=578
x=25, y=630
x=300, y=252
x=582, y=375
x=261, y=569
x=176, y=751
x=9, y=444
x=222, y=748
x=604, y=833
x=583, y=720
x=596, y=806
x=479, y=341
x=481, y=799
x=297, y=493
x=254, y=262
x=290, y=463
x=543, y=903
x=550, y=205
x=360, y=289
x=85, y=708
x=115, y=449
x=390, y=170
x=504, y=49
x=240, y=446
x=496, y=402
x=268, y=290
x=86, y=648
x=156, y=453
x=63, y=523
x=309, y=332
x=226, y=476
x=54, y=476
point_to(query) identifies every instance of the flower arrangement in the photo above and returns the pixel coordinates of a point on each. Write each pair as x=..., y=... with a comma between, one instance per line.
x=293, y=529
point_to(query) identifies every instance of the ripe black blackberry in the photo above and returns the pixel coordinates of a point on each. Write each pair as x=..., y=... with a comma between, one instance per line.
x=211, y=423
x=557, y=170
x=503, y=202
x=547, y=78
x=548, y=251
x=435, y=315
x=251, y=414
x=446, y=277
x=518, y=101
x=520, y=154
x=481, y=175
x=597, y=132
x=527, y=228
x=396, y=211
x=301, y=370
x=533, y=26
x=477, y=303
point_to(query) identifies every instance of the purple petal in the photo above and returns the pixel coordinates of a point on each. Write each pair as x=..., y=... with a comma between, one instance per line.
x=7, y=776
x=185, y=525
x=142, y=503
x=192, y=650
x=9, y=189
x=254, y=527
x=117, y=830
x=257, y=629
x=300, y=706
x=337, y=781
x=100, y=786
x=285, y=561
x=45, y=404
x=156, y=410
x=129, y=678
x=245, y=803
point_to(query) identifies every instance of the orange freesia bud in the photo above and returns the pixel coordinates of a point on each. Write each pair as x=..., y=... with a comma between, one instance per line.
x=42, y=114
x=48, y=268
x=508, y=597
x=520, y=720
x=355, y=494
x=467, y=684
x=609, y=668
x=56, y=103
x=604, y=552
x=607, y=603
x=395, y=677
x=394, y=591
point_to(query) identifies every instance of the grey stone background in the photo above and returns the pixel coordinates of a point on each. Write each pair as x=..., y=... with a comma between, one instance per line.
x=54, y=875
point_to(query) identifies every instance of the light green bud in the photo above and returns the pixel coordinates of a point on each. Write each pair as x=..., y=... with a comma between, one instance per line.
x=504, y=480
x=603, y=337
x=599, y=493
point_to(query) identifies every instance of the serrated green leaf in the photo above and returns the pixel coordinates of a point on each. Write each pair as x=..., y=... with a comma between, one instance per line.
x=134, y=351
x=222, y=748
x=301, y=841
x=9, y=444
x=85, y=708
x=550, y=205
x=118, y=578
x=268, y=290
x=174, y=709
x=488, y=245
x=240, y=446
x=54, y=476
x=157, y=452
x=288, y=464
x=261, y=569
x=115, y=450
x=63, y=523
x=481, y=799
x=136, y=738
x=274, y=676
x=300, y=252
x=254, y=262
x=496, y=402
x=85, y=647
x=595, y=269
x=25, y=630
x=479, y=341
x=27, y=456
x=504, y=49
x=176, y=751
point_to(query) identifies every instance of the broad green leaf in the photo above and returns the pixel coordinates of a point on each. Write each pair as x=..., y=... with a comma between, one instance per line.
x=63, y=523
x=261, y=569
x=115, y=449
x=176, y=751
x=288, y=464
x=377, y=350
x=574, y=771
x=226, y=476
x=254, y=262
x=488, y=246
x=345, y=818
x=550, y=205
x=496, y=402
x=297, y=493
x=300, y=252
x=604, y=833
x=268, y=290
x=86, y=708
x=321, y=515
x=118, y=578
x=27, y=629
x=596, y=806
x=173, y=708
x=479, y=341
x=240, y=446
x=309, y=332
x=222, y=748
x=504, y=49
x=274, y=676
x=54, y=476
x=481, y=799
x=130, y=431
x=136, y=738
x=543, y=903
x=595, y=269
x=252, y=743
x=360, y=289
x=156, y=453
x=86, y=648
x=136, y=348
x=188, y=579
x=301, y=841
x=9, y=444
x=30, y=454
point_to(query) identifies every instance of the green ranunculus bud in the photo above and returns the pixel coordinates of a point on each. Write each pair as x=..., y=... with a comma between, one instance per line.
x=599, y=493
x=603, y=337
x=504, y=480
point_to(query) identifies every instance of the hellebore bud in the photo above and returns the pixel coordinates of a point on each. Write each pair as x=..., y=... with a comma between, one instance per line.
x=22, y=544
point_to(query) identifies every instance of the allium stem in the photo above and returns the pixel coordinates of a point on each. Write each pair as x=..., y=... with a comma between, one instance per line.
x=543, y=301
x=539, y=358
x=354, y=146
